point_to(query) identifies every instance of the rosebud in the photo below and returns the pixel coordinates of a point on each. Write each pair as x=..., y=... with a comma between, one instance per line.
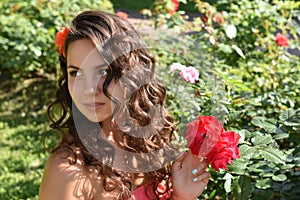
x=281, y=40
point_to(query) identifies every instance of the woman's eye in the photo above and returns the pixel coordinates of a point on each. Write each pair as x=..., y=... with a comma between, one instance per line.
x=75, y=73
x=102, y=72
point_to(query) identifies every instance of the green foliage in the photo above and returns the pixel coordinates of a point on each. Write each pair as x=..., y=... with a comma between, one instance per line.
x=27, y=33
x=246, y=80
x=22, y=156
x=28, y=61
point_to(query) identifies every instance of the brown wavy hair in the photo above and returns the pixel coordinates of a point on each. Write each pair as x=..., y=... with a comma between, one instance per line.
x=141, y=112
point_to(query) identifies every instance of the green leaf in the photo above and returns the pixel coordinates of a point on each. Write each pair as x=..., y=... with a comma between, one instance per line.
x=227, y=185
x=263, y=183
x=281, y=136
x=261, y=140
x=269, y=174
x=238, y=166
x=212, y=194
x=280, y=177
x=268, y=124
x=246, y=151
x=292, y=122
x=228, y=179
x=242, y=188
x=272, y=155
x=290, y=118
x=287, y=114
x=233, y=116
x=238, y=51
x=258, y=121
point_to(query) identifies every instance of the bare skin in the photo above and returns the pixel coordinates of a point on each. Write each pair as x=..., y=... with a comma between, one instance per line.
x=61, y=180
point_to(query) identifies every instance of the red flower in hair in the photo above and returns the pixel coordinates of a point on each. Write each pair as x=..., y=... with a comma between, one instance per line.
x=60, y=39
x=281, y=40
x=172, y=6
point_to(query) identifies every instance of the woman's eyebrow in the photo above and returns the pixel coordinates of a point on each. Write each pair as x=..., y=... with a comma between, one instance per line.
x=101, y=66
x=72, y=67
x=97, y=66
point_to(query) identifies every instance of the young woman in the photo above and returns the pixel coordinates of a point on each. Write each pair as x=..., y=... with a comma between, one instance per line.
x=115, y=131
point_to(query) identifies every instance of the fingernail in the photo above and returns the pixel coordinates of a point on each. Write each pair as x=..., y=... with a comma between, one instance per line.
x=194, y=171
x=195, y=179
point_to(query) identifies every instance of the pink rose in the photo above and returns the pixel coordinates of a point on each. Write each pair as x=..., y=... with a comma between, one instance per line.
x=190, y=74
x=177, y=66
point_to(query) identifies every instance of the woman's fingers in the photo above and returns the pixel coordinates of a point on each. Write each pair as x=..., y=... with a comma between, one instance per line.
x=200, y=168
x=204, y=176
x=178, y=162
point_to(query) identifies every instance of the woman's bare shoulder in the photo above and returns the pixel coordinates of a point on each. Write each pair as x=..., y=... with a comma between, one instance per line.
x=62, y=180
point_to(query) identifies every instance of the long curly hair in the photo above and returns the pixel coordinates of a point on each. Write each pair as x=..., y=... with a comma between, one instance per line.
x=140, y=117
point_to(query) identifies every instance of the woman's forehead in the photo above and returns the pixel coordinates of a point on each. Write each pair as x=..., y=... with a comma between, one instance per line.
x=84, y=53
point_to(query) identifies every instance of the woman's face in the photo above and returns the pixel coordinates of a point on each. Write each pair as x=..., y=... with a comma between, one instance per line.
x=86, y=74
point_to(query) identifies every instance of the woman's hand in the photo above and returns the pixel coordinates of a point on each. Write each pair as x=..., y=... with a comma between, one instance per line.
x=189, y=176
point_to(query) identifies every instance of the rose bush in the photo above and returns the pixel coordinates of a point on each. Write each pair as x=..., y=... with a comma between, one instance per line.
x=249, y=81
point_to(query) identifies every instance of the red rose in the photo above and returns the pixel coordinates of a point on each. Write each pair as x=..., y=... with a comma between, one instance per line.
x=224, y=151
x=281, y=40
x=203, y=134
x=206, y=137
x=219, y=158
x=172, y=6
x=60, y=39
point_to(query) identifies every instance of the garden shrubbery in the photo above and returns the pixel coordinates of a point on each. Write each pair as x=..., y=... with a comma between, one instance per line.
x=28, y=29
x=27, y=84
x=247, y=54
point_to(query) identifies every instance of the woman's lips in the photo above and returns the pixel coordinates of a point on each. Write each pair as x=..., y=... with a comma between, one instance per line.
x=93, y=106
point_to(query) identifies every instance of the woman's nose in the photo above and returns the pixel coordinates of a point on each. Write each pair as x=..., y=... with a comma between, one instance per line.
x=92, y=85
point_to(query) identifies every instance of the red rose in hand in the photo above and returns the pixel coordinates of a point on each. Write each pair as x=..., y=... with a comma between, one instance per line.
x=203, y=134
x=218, y=158
x=281, y=40
x=224, y=151
x=60, y=39
x=172, y=6
x=206, y=137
